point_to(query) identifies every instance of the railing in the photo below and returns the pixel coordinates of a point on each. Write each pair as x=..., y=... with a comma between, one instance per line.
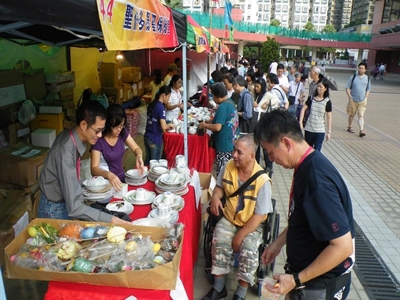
x=218, y=23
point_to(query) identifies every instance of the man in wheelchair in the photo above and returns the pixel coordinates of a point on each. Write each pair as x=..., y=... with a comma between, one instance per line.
x=240, y=229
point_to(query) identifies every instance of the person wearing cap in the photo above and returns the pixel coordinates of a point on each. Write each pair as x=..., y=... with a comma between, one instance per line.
x=172, y=70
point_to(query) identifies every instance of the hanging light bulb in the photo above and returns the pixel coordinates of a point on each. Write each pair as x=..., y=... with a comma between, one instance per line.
x=119, y=57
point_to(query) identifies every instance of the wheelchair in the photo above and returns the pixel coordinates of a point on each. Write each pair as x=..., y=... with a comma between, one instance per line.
x=270, y=233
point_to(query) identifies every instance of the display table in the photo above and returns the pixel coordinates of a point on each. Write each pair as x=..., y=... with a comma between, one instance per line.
x=190, y=216
x=201, y=156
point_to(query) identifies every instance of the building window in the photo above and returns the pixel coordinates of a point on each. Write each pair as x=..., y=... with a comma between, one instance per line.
x=249, y=6
x=297, y=18
x=322, y=19
x=259, y=17
x=305, y=1
x=323, y=10
x=305, y=9
x=248, y=18
x=298, y=9
x=316, y=9
x=324, y=1
x=278, y=8
x=315, y=19
x=265, y=17
x=260, y=7
x=285, y=8
x=284, y=18
x=304, y=18
x=266, y=7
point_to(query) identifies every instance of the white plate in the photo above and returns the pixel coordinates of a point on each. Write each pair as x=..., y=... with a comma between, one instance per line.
x=88, y=195
x=173, y=217
x=131, y=198
x=173, y=179
x=120, y=206
x=177, y=200
x=151, y=222
x=159, y=170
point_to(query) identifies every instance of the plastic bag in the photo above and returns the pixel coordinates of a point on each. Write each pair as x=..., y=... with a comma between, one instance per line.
x=27, y=112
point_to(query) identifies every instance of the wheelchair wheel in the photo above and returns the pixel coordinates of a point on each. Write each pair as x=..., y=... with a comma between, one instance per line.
x=208, y=235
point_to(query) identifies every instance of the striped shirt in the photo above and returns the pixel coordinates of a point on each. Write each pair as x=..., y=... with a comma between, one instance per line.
x=316, y=119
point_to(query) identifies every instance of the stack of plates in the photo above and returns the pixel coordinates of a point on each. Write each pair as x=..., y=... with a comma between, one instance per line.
x=103, y=197
x=148, y=199
x=120, y=206
x=156, y=172
x=132, y=177
x=172, y=182
x=172, y=218
x=151, y=222
x=177, y=204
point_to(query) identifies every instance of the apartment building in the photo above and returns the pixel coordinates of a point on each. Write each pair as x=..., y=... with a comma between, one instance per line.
x=363, y=11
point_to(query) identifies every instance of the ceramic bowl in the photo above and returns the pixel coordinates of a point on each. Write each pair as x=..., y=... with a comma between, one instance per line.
x=95, y=188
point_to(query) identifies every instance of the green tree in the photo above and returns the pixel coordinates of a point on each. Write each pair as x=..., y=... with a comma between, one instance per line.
x=309, y=27
x=329, y=28
x=173, y=3
x=275, y=22
x=250, y=52
x=269, y=52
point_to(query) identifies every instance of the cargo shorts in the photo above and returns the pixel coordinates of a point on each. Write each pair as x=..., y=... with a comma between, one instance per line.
x=354, y=107
x=222, y=252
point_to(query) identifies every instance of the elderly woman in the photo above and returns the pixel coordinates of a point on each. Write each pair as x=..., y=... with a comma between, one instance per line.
x=224, y=125
x=296, y=94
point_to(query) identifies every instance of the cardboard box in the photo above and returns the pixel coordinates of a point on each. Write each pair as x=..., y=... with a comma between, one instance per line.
x=115, y=95
x=52, y=121
x=65, y=104
x=69, y=124
x=50, y=109
x=141, y=88
x=43, y=137
x=160, y=278
x=12, y=88
x=131, y=74
x=21, y=164
x=15, y=132
x=15, y=215
x=127, y=88
x=60, y=77
x=110, y=75
x=207, y=183
x=67, y=94
x=35, y=84
x=58, y=87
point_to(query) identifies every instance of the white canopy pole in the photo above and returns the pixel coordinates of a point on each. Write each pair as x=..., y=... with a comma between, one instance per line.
x=185, y=98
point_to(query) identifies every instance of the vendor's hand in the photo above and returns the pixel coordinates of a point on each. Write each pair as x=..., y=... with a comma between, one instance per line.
x=140, y=165
x=236, y=242
x=118, y=221
x=114, y=180
x=284, y=285
x=215, y=205
x=201, y=125
x=264, y=106
x=270, y=253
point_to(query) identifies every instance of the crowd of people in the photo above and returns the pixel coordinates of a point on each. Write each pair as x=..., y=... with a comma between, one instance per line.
x=255, y=112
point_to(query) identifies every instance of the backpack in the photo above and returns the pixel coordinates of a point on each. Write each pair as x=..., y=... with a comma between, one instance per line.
x=352, y=80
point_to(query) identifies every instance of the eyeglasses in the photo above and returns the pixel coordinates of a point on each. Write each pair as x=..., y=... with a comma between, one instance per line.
x=97, y=131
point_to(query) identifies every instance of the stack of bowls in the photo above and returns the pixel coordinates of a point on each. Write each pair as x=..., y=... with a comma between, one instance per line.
x=156, y=172
x=132, y=177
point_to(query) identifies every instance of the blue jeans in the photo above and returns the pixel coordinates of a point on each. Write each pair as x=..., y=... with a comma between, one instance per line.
x=315, y=139
x=153, y=151
x=52, y=210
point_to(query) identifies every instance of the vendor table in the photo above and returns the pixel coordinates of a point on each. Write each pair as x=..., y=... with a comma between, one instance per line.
x=190, y=216
x=201, y=156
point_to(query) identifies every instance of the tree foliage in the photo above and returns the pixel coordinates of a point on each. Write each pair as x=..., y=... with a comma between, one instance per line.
x=173, y=3
x=309, y=27
x=269, y=52
x=275, y=22
x=250, y=52
x=329, y=28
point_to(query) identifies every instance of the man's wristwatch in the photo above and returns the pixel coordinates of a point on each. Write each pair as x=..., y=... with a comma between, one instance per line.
x=299, y=285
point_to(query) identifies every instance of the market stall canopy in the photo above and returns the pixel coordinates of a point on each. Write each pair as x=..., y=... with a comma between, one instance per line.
x=59, y=23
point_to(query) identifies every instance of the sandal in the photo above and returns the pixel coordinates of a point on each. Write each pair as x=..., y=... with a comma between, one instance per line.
x=362, y=133
x=350, y=129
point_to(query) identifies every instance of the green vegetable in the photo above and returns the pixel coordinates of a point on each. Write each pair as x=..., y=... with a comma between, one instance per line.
x=47, y=232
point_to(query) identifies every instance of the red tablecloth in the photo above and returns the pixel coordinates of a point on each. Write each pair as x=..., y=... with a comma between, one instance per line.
x=201, y=157
x=190, y=216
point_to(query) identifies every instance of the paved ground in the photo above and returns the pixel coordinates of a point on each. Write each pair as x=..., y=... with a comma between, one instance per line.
x=370, y=166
